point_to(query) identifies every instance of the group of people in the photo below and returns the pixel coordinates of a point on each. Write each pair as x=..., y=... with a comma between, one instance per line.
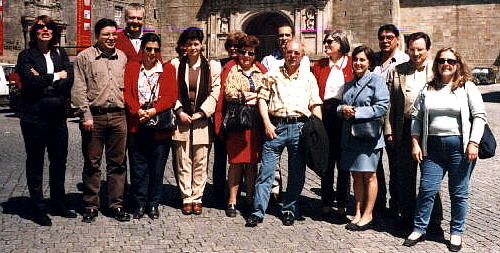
x=424, y=112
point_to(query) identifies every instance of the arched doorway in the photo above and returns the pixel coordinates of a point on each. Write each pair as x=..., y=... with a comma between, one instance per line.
x=265, y=27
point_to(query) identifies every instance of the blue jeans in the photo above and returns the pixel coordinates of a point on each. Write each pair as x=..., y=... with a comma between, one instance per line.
x=289, y=137
x=444, y=154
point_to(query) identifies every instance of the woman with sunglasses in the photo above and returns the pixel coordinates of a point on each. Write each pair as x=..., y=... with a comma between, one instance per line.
x=332, y=73
x=241, y=78
x=447, y=125
x=47, y=77
x=148, y=82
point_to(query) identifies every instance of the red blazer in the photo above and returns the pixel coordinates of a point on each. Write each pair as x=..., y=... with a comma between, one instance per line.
x=167, y=95
x=123, y=43
x=321, y=70
x=220, y=108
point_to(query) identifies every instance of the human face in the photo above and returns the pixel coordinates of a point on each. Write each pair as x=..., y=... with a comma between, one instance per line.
x=360, y=64
x=44, y=33
x=150, y=50
x=418, y=52
x=246, y=57
x=135, y=20
x=107, y=37
x=447, y=70
x=193, y=48
x=233, y=50
x=293, y=55
x=284, y=36
x=332, y=46
x=387, y=41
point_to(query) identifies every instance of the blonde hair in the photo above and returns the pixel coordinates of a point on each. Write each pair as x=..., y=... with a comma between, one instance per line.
x=462, y=75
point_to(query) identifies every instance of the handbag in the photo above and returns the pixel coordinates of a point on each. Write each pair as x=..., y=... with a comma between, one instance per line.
x=165, y=120
x=239, y=116
x=366, y=129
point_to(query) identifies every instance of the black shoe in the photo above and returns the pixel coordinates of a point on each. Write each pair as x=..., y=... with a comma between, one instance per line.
x=356, y=227
x=411, y=243
x=350, y=226
x=288, y=219
x=120, y=215
x=89, y=215
x=253, y=220
x=231, y=210
x=41, y=218
x=63, y=212
x=454, y=248
x=154, y=213
x=139, y=212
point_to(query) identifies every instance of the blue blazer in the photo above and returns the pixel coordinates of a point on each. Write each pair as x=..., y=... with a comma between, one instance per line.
x=372, y=102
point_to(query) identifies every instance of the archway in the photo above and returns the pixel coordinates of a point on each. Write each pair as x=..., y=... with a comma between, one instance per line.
x=265, y=27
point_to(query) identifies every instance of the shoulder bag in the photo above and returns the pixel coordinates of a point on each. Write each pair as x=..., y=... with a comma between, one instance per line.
x=239, y=116
x=366, y=129
x=165, y=120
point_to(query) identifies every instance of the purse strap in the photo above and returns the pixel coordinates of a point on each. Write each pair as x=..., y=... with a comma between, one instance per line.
x=152, y=88
x=359, y=92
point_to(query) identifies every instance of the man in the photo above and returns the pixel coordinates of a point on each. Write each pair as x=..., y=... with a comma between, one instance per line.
x=404, y=83
x=129, y=41
x=98, y=95
x=288, y=97
x=389, y=57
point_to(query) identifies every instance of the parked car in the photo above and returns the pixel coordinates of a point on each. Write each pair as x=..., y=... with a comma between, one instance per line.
x=5, y=70
x=484, y=75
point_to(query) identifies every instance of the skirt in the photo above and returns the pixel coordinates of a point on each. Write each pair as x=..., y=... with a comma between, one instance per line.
x=357, y=161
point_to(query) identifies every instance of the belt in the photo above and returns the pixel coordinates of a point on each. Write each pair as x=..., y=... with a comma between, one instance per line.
x=280, y=120
x=101, y=110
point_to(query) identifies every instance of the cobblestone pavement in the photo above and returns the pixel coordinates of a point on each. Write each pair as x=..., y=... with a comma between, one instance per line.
x=213, y=231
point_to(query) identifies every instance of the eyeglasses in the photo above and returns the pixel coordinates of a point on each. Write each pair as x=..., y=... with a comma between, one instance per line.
x=386, y=37
x=151, y=49
x=245, y=52
x=37, y=27
x=330, y=41
x=293, y=53
x=449, y=61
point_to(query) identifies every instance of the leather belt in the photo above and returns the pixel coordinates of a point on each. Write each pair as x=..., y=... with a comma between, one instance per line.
x=101, y=110
x=293, y=120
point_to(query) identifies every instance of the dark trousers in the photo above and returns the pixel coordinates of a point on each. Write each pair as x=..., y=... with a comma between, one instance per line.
x=333, y=126
x=147, y=158
x=110, y=132
x=53, y=136
x=219, y=169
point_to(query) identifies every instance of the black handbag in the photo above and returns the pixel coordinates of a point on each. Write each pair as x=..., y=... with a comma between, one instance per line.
x=367, y=129
x=239, y=116
x=165, y=120
x=488, y=144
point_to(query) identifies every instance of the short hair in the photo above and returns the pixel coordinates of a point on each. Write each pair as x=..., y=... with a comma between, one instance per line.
x=287, y=25
x=341, y=37
x=49, y=22
x=233, y=39
x=295, y=40
x=416, y=36
x=370, y=55
x=462, y=74
x=389, y=28
x=191, y=33
x=150, y=37
x=248, y=41
x=134, y=6
x=103, y=22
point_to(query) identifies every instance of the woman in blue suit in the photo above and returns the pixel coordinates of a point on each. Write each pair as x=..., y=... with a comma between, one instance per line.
x=365, y=98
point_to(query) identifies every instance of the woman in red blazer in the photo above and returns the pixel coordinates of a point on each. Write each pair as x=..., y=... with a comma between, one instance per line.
x=147, y=148
x=332, y=73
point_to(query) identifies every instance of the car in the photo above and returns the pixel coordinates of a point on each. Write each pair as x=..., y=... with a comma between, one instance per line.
x=484, y=75
x=5, y=70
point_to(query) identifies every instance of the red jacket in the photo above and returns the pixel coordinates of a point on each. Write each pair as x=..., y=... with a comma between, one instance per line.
x=321, y=69
x=167, y=95
x=123, y=43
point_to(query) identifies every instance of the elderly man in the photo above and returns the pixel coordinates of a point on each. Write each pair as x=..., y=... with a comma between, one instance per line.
x=129, y=41
x=404, y=83
x=286, y=100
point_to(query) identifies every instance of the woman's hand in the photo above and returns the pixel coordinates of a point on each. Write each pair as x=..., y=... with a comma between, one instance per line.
x=185, y=118
x=472, y=151
x=348, y=111
x=416, y=151
x=251, y=98
x=197, y=115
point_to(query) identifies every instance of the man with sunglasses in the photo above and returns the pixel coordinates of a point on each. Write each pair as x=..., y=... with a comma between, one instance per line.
x=129, y=41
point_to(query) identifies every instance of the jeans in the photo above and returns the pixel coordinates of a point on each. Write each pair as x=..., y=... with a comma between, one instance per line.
x=288, y=135
x=444, y=154
x=148, y=158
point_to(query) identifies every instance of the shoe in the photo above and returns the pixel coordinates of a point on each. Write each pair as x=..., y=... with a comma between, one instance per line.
x=197, y=208
x=89, y=215
x=411, y=243
x=187, y=208
x=288, y=219
x=139, y=212
x=253, y=220
x=231, y=210
x=341, y=211
x=120, y=215
x=356, y=227
x=63, y=212
x=455, y=247
x=350, y=226
x=154, y=213
x=326, y=209
x=41, y=218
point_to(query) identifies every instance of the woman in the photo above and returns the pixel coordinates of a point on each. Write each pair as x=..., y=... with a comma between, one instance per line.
x=365, y=98
x=148, y=81
x=231, y=46
x=47, y=77
x=199, y=87
x=447, y=125
x=332, y=73
x=241, y=76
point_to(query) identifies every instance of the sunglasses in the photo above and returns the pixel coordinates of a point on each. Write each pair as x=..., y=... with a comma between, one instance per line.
x=151, y=49
x=245, y=52
x=449, y=61
x=329, y=41
x=37, y=27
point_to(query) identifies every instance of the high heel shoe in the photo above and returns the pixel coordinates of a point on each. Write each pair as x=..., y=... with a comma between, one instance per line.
x=231, y=210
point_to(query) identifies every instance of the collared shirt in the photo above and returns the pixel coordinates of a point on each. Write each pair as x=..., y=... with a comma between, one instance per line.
x=276, y=60
x=98, y=81
x=238, y=81
x=289, y=95
x=135, y=42
x=148, y=82
x=398, y=58
x=414, y=83
x=335, y=82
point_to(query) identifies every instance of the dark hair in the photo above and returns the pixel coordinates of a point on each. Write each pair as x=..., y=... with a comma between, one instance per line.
x=341, y=38
x=419, y=35
x=233, y=39
x=462, y=74
x=248, y=41
x=150, y=37
x=389, y=28
x=51, y=25
x=103, y=22
x=191, y=33
x=287, y=25
x=368, y=52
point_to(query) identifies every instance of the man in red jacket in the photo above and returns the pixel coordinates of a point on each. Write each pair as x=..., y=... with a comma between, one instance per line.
x=129, y=41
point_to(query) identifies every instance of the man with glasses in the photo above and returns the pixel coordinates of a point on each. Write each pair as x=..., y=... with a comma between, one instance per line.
x=129, y=41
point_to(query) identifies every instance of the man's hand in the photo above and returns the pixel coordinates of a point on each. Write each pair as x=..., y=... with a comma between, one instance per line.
x=34, y=72
x=269, y=129
x=348, y=111
x=389, y=139
x=62, y=74
x=88, y=125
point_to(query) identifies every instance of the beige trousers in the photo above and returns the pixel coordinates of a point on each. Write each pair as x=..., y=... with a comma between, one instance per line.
x=192, y=166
